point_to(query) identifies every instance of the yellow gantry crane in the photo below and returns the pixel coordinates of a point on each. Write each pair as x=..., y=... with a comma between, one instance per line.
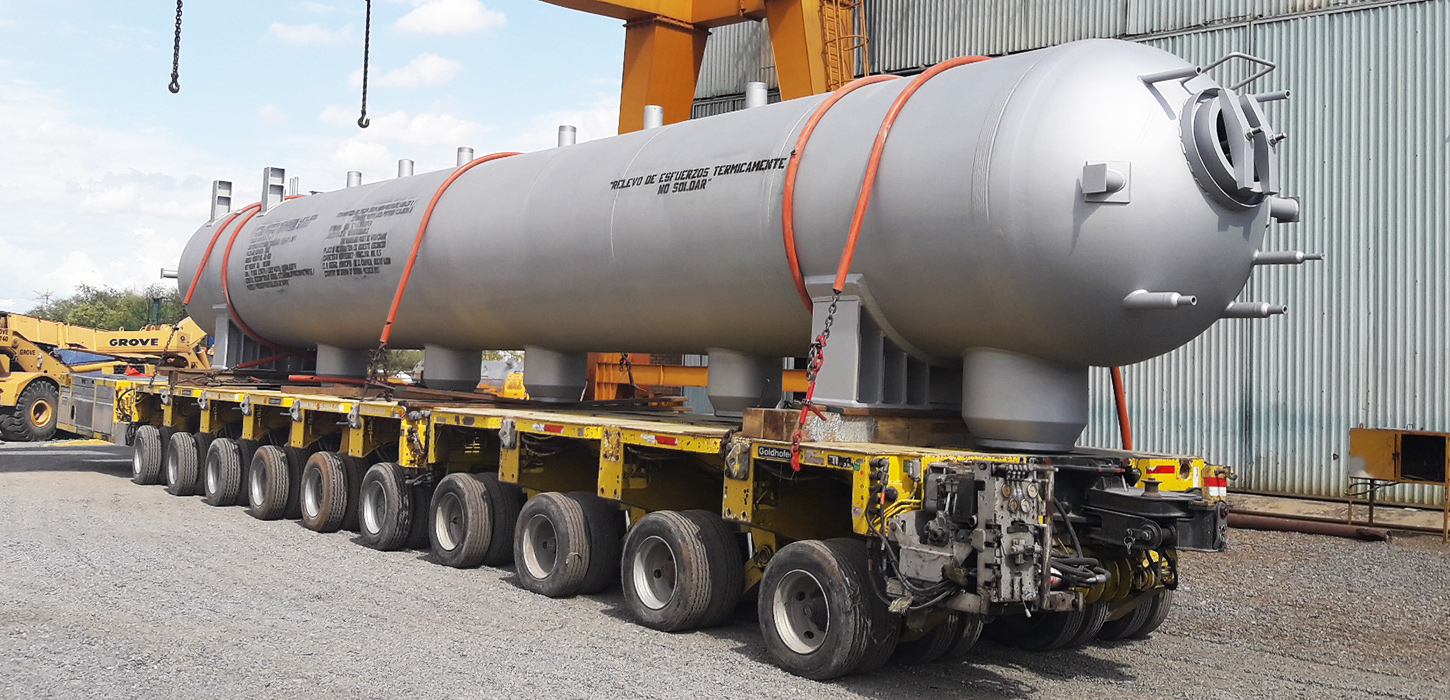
x=813, y=40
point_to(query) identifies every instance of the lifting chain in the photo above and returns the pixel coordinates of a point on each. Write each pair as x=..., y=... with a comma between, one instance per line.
x=362, y=120
x=175, y=85
x=813, y=368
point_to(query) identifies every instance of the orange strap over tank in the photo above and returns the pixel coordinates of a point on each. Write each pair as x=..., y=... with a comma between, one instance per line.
x=787, y=207
x=226, y=258
x=874, y=162
x=418, y=239
x=205, y=257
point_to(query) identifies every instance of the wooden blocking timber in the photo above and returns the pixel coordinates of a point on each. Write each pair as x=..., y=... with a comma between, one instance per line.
x=884, y=426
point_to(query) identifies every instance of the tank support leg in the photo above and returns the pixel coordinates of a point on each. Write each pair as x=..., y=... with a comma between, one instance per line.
x=555, y=376
x=738, y=382
x=1012, y=401
x=451, y=370
x=333, y=361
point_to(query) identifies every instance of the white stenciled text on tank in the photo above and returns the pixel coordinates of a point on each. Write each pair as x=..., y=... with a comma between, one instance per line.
x=1093, y=204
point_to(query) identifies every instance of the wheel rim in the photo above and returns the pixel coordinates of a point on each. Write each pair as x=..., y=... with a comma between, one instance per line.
x=654, y=573
x=171, y=475
x=448, y=521
x=136, y=462
x=801, y=611
x=372, y=507
x=40, y=413
x=258, y=484
x=211, y=477
x=541, y=546
x=312, y=493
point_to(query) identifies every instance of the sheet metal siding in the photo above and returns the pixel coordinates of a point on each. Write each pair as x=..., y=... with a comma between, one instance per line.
x=734, y=55
x=1367, y=341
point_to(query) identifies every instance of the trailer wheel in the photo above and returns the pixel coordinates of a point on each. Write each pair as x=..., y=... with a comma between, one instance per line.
x=146, y=456
x=223, y=472
x=420, y=497
x=269, y=481
x=181, y=464
x=605, y=522
x=816, y=614
x=248, y=450
x=885, y=629
x=323, y=492
x=460, y=526
x=681, y=570
x=34, y=415
x=948, y=640
x=505, y=501
x=385, y=507
x=1156, y=611
x=551, y=545
x=1094, y=615
x=353, y=469
x=1044, y=631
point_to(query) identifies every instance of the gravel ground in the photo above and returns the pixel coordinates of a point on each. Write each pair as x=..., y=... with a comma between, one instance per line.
x=108, y=589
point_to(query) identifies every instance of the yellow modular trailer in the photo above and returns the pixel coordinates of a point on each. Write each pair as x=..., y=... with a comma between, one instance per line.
x=870, y=550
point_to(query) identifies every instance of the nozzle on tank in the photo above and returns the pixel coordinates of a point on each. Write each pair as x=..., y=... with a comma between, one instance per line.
x=654, y=116
x=1253, y=309
x=1144, y=299
x=1285, y=257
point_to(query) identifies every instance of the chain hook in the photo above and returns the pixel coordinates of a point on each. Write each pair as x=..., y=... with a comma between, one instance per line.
x=362, y=121
x=175, y=85
x=814, y=362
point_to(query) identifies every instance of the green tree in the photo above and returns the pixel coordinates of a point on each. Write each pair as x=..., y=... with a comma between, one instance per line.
x=109, y=308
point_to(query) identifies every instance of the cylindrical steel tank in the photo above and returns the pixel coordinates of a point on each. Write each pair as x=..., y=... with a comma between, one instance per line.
x=1021, y=201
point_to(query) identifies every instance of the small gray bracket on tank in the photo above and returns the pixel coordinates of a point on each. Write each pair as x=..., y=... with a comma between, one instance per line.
x=274, y=188
x=868, y=363
x=221, y=198
x=1107, y=181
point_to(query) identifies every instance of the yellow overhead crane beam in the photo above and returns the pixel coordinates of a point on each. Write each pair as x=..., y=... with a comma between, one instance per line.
x=664, y=45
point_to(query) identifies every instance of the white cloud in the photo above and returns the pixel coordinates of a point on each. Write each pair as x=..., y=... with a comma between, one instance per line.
x=426, y=70
x=271, y=115
x=450, y=17
x=422, y=129
x=596, y=120
x=309, y=34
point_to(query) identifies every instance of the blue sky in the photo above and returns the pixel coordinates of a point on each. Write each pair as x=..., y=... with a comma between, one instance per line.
x=104, y=174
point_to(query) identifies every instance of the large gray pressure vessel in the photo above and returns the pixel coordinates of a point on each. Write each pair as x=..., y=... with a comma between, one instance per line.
x=1089, y=204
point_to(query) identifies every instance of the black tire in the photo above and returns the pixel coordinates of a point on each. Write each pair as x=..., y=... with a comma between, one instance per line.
x=1094, y=615
x=296, y=459
x=34, y=415
x=681, y=571
x=269, y=483
x=222, y=473
x=323, y=493
x=1162, y=603
x=385, y=507
x=460, y=526
x=504, y=503
x=551, y=545
x=146, y=455
x=249, y=450
x=816, y=613
x=353, y=469
x=605, y=522
x=932, y=645
x=1044, y=631
x=885, y=626
x=182, y=467
x=969, y=630
x=418, y=522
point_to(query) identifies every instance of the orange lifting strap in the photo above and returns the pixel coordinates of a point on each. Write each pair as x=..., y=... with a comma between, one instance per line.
x=418, y=240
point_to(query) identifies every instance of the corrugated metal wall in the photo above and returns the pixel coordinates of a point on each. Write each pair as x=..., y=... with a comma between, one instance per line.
x=1367, y=339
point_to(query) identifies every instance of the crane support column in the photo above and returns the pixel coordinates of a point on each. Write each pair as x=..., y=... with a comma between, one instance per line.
x=662, y=59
